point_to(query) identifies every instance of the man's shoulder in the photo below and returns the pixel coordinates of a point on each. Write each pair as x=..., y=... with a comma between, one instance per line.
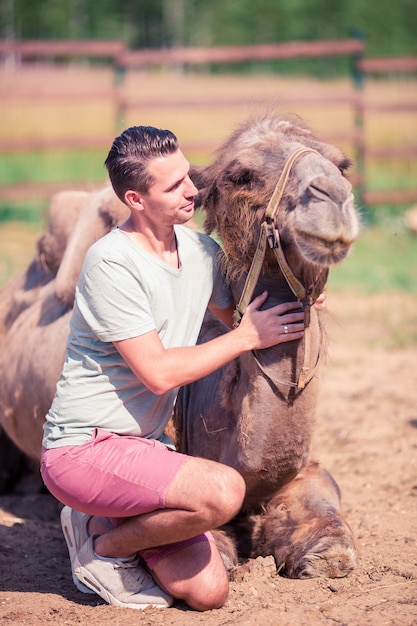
x=105, y=245
x=108, y=249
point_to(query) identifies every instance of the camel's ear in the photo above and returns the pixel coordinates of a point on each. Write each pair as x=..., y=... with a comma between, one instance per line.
x=209, y=199
x=237, y=175
x=197, y=175
x=207, y=194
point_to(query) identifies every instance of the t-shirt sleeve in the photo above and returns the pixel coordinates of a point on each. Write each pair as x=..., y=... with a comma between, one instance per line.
x=113, y=302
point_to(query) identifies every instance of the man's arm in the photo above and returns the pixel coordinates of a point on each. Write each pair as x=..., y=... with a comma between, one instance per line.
x=224, y=315
x=162, y=369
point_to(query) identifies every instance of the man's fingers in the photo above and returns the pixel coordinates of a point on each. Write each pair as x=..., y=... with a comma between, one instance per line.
x=258, y=301
x=278, y=309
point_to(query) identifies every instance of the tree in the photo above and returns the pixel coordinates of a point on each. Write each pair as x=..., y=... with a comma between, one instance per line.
x=389, y=27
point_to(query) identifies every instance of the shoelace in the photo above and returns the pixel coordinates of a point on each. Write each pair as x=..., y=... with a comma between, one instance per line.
x=125, y=563
x=135, y=576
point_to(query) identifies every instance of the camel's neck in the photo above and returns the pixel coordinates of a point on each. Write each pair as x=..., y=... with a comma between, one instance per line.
x=310, y=279
x=276, y=286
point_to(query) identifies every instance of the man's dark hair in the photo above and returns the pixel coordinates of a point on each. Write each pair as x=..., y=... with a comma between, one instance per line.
x=128, y=157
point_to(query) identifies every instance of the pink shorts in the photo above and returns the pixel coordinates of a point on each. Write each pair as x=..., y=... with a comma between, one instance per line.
x=115, y=476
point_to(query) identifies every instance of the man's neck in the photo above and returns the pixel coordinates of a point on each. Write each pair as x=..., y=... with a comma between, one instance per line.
x=159, y=242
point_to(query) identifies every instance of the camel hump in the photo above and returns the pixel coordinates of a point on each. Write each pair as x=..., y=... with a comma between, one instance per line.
x=76, y=220
x=64, y=209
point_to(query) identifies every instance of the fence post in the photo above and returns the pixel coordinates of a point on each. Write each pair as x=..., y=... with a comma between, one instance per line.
x=119, y=78
x=358, y=78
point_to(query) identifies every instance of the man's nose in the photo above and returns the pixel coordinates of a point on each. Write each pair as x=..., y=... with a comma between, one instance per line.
x=191, y=188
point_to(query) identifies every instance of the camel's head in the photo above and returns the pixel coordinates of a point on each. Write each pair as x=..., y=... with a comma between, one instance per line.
x=316, y=218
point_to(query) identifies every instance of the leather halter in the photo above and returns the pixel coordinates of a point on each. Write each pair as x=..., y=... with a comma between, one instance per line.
x=269, y=232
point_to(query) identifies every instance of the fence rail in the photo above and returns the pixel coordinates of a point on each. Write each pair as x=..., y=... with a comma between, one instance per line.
x=124, y=60
x=91, y=48
x=238, y=54
x=387, y=65
x=123, y=57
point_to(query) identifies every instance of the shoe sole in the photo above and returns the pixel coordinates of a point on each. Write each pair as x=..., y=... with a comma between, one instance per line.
x=67, y=529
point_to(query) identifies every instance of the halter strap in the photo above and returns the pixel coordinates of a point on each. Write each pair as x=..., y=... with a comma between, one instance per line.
x=269, y=232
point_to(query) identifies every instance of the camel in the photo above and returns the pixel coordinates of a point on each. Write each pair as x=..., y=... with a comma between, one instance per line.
x=258, y=413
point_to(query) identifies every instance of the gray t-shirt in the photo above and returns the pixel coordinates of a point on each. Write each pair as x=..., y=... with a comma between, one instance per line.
x=124, y=292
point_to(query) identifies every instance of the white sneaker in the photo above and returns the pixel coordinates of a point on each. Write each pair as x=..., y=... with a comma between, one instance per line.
x=122, y=582
x=74, y=526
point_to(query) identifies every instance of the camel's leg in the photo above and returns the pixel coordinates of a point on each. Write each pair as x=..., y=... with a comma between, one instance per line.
x=304, y=530
x=227, y=547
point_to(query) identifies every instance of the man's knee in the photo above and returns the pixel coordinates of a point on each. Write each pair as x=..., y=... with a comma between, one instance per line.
x=195, y=575
x=213, y=491
x=212, y=595
x=227, y=495
x=208, y=590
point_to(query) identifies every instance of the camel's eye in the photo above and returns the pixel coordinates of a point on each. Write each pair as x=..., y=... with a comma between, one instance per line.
x=345, y=165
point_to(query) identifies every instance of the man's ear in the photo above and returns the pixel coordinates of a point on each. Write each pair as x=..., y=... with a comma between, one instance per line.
x=133, y=199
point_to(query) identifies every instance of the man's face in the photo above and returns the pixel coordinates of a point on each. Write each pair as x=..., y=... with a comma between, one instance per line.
x=170, y=199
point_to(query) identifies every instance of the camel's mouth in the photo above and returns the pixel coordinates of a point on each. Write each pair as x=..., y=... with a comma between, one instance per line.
x=320, y=251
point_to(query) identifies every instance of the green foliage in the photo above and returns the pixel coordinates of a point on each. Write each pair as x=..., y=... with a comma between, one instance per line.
x=389, y=27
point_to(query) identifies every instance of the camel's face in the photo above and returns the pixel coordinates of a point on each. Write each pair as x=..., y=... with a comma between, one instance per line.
x=317, y=219
x=322, y=222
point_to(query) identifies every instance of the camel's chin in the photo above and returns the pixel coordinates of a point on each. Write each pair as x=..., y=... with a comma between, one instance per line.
x=323, y=253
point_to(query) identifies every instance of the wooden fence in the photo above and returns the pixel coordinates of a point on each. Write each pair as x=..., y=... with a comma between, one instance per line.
x=125, y=61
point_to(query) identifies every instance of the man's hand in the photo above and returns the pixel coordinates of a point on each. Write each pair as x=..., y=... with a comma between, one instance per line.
x=279, y=324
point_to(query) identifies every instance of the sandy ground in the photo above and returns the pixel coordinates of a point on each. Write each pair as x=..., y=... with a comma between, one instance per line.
x=367, y=437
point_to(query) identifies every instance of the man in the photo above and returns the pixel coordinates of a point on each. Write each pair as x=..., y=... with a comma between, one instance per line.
x=134, y=506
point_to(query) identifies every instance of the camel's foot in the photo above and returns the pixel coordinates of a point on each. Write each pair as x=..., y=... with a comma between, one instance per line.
x=227, y=548
x=305, y=531
x=325, y=548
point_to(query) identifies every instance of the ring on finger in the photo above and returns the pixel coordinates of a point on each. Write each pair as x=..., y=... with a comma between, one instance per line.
x=285, y=329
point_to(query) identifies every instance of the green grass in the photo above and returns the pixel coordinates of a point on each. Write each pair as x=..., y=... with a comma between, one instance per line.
x=384, y=259
x=31, y=212
x=53, y=166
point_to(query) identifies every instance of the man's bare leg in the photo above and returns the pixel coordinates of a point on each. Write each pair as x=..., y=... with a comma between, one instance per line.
x=195, y=574
x=203, y=495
